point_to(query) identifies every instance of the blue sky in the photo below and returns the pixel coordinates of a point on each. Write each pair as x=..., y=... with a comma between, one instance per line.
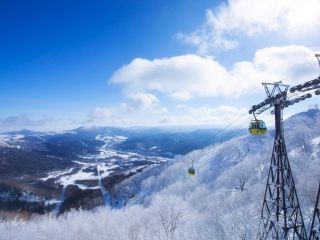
x=69, y=63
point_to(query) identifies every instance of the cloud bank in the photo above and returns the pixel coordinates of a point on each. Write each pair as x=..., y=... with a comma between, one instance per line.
x=11, y=123
x=185, y=77
x=163, y=91
x=224, y=25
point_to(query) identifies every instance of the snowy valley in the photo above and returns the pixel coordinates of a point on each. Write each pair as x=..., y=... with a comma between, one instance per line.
x=54, y=172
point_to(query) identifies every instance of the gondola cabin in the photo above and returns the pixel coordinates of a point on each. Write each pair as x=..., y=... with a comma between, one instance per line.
x=257, y=127
x=191, y=171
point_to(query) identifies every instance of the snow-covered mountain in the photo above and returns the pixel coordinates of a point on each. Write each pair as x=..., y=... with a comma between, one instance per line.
x=222, y=201
x=79, y=168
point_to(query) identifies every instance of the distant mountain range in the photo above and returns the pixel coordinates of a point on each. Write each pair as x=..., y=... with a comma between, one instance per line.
x=84, y=162
x=150, y=141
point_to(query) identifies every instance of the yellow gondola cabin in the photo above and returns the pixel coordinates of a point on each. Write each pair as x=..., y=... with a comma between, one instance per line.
x=257, y=127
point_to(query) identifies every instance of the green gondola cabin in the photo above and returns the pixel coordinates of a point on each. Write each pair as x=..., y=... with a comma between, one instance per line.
x=191, y=171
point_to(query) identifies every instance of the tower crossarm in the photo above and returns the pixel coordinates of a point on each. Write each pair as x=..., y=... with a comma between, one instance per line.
x=284, y=99
x=268, y=103
x=307, y=86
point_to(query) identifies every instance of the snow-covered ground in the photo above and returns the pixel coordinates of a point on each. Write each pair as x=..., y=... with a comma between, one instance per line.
x=105, y=162
x=71, y=179
x=11, y=141
x=57, y=174
x=222, y=201
x=111, y=140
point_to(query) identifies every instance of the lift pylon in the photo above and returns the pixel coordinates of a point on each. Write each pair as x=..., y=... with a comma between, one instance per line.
x=281, y=216
x=315, y=225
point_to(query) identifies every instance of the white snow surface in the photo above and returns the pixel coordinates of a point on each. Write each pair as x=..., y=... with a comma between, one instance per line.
x=315, y=141
x=166, y=203
x=79, y=175
x=66, y=177
x=11, y=140
x=56, y=174
x=111, y=140
x=105, y=161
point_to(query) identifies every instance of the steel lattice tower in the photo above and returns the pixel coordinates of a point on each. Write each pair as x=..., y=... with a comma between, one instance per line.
x=281, y=216
x=315, y=225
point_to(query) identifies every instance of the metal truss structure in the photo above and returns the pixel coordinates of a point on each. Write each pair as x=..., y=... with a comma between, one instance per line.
x=281, y=215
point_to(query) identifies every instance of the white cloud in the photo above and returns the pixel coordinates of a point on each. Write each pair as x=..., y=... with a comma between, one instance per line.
x=189, y=76
x=103, y=113
x=143, y=101
x=110, y=115
x=205, y=115
x=142, y=109
x=202, y=115
x=40, y=123
x=23, y=120
x=293, y=64
x=181, y=77
x=292, y=19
